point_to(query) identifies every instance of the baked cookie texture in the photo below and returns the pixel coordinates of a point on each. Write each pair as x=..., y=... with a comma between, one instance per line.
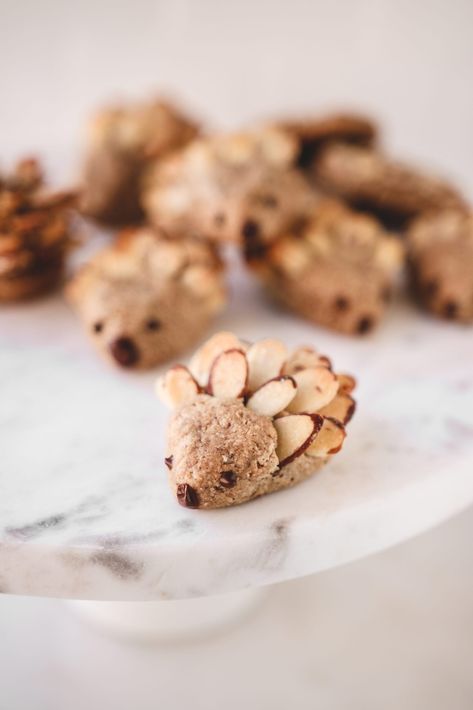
x=230, y=188
x=338, y=270
x=122, y=142
x=251, y=419
x=314, y=133
x=440, y=255
x=371, y=181
x=145, y=299
x=36, y=233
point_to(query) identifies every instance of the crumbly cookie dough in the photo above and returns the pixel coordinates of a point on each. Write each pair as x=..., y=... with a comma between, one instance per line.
x=440, y=251
x=230, y=188
x=35, y=233
x=368, y=180
x=313, y=133
x=146, y=298
x=251, y=420
x=122, y=141
x=338, y=271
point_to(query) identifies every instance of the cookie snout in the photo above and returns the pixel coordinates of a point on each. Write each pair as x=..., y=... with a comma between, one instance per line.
x=125, y=351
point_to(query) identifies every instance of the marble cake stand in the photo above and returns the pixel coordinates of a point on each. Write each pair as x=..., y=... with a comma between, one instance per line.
x=85, y=512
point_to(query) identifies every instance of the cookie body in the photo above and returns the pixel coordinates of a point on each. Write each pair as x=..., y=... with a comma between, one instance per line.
x=313, y=133
x=250, y=420
x=368, y=180
x=338, y=271
x=35, y=233
x=145, y=299
x=122, y=141
x=233, y=188
x=440, y=249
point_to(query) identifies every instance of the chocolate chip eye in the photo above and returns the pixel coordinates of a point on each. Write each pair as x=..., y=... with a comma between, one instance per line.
x=228, y=479
x=269, y=201
x=341, y=303
x=219, y=219
x=153, y=324
x=450, y=309
x=98, y=327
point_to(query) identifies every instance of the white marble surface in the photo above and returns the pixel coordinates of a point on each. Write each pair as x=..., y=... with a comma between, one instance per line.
x=85, y=510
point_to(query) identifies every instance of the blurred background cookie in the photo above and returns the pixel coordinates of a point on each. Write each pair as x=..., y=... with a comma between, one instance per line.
x=440, y=248
x=121, y=141
x=337, y=270
x=145, y=298
x=35, y=233
x=237, y=187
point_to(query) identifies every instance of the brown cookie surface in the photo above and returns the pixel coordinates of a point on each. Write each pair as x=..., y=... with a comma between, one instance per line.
x=338, y=271
x=122, y=141
x=440, y=250
x=146, y=298
x=250, y=420
x=371, y=181
x=231, y=188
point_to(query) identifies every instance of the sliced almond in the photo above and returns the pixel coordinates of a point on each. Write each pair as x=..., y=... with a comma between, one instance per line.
x=329, y=439
x=265, y=361
x=342, y=407
x=177, y=387
x=295, y=434
x=316, y=387
x=346, y=383
x=228, y=376
x=272, y=397
x=303, y=358
x=203, y=359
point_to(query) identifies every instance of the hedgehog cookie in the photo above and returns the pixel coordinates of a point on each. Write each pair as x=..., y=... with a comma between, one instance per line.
x=36, y=233
x=251, y=419
x=337, y=271
x=313, y=133
x=230, y=188
x=146, y=298
x=122, y=141
x=440, y=251
x=371, y=181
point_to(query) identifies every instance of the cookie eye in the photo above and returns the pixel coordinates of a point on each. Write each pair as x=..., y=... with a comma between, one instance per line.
x=153, y=324
x=98, y=327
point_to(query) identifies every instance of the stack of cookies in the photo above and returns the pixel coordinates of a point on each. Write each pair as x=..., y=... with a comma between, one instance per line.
x=35, y=233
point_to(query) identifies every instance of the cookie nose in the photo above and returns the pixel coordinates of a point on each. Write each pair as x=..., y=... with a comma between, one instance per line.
x=125, y=351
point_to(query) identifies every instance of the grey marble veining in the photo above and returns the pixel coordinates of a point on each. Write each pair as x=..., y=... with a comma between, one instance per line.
x=85, y=510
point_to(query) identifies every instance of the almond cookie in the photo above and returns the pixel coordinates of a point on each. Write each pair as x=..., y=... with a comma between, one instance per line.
x=251, y=419
x=372, y=182
x=440, y=249
x=337, y=271
x=35, y=233
x=122, y=141
x=313, y=133
x=145, y=298
x=230, y=188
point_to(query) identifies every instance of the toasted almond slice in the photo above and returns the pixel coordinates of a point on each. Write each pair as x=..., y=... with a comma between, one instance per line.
x=203, y=359
x=177, y=387
x=342, y=407
x=303, y=358
x=228, y=376
x=329, y=439
x=346, y=383
x=273, y=396
x=316, y=387
x=295, y=434
x=265, y=361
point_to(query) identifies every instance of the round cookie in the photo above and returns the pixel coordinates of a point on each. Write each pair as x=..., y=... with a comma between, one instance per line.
x=122, y=141
x=338, y=270
x=146, y=298
x=251, y=420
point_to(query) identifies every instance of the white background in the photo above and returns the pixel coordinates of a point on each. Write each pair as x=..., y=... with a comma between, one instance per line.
x=389, y=632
